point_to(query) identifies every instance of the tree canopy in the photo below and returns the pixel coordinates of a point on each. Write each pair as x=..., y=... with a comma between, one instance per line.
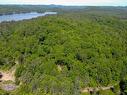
x=59, y=55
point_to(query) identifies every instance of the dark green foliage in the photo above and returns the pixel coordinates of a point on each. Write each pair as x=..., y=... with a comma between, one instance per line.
x=123, y=86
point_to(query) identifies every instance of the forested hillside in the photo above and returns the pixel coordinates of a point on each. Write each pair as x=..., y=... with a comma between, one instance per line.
x=64, y=53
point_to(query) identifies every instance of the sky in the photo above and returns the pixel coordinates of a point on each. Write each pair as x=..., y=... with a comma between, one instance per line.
x=68, y=2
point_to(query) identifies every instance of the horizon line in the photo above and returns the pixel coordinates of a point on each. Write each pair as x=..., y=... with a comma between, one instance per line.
x=68, y=5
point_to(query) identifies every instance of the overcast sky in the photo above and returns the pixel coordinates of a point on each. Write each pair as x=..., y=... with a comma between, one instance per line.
x=69, y=2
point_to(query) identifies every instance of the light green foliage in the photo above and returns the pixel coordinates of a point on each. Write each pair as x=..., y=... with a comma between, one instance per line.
x=85, y=94
x=107, y=92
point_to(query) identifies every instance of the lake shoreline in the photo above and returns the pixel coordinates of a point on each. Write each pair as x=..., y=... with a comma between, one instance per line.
x=23, y=16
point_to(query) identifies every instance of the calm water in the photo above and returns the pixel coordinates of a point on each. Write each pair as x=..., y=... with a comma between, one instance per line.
x=23, y=16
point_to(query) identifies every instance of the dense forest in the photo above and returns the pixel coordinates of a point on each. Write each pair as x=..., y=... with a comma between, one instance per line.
x=64, y=53
x=9, y=9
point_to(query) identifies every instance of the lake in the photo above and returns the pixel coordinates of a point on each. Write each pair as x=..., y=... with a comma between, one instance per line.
x=23, y=16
